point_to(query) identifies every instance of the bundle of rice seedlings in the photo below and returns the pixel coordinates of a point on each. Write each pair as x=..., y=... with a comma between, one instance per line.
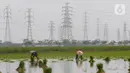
x=100, y=68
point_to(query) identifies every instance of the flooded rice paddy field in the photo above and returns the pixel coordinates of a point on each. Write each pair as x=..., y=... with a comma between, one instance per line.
x=65, y=66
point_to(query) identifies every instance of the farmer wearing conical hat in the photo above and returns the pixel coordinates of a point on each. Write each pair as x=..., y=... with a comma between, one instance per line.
x=79, y=54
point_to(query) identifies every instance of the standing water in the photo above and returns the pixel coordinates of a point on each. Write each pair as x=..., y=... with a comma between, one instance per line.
x=114, y=66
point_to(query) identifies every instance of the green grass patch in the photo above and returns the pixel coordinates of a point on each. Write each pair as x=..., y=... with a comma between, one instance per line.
x=57, y=54
x=62, y=49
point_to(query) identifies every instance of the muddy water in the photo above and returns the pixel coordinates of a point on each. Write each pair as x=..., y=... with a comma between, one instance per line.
x=115, y=66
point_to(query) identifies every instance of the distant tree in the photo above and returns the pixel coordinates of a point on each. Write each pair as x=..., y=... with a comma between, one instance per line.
x=0, y=41
x=40, y=42
x=120, y=42
x=7, y=42
x=50, y=41
x=57, y=42
x=65, y=41
x=112, y=42
x=129, y=41
x=86, y=42
x=74, y=41
x=79, y=42
x=46, y=41
x=97, y=41
x=125, y=42
x=27, y=42
x=104, y=42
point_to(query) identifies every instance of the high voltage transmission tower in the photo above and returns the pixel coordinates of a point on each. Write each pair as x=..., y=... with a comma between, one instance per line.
x=118, y=34
x=60, y=33
x=129, y=34
x=7, y=17
x=67, y=21
x=124, y=32
x=85, y=27
x=51, y=28
x=29, y=21
x=106, y=32
x=98, y=35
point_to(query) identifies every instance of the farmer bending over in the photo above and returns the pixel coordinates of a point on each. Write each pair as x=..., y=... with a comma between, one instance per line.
x=34, y=54
x=79, y=54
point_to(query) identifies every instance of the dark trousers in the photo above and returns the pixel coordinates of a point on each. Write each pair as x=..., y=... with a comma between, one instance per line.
x=79, y=57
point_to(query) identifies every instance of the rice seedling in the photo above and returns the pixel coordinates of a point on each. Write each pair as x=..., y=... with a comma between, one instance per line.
x=45, y=61
x=6, y=60
x=1, y=58
x=125, y=60
x=101, y=57
x=91, y=59
x=48, y=70
x=70, y=60
x=100, y=68
x=21, y=68
x=91, y=64
x=128, y=59
x=11, y=61
x=107, y=59
x=85, y=59
x=129, y=70
x=54, y=61
x=61, y=59
x=40, y=64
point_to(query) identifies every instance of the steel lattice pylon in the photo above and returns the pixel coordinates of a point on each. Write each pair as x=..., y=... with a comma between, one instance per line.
x=29, y=22
x=85, y=27
x=67, y=23
x=98, y=33
x=118, y=34
x=125, y=32
x=51, y=29
x=7, y=16
x=106, y=32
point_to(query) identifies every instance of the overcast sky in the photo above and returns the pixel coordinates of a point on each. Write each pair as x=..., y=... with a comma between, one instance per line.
x=51, y=10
